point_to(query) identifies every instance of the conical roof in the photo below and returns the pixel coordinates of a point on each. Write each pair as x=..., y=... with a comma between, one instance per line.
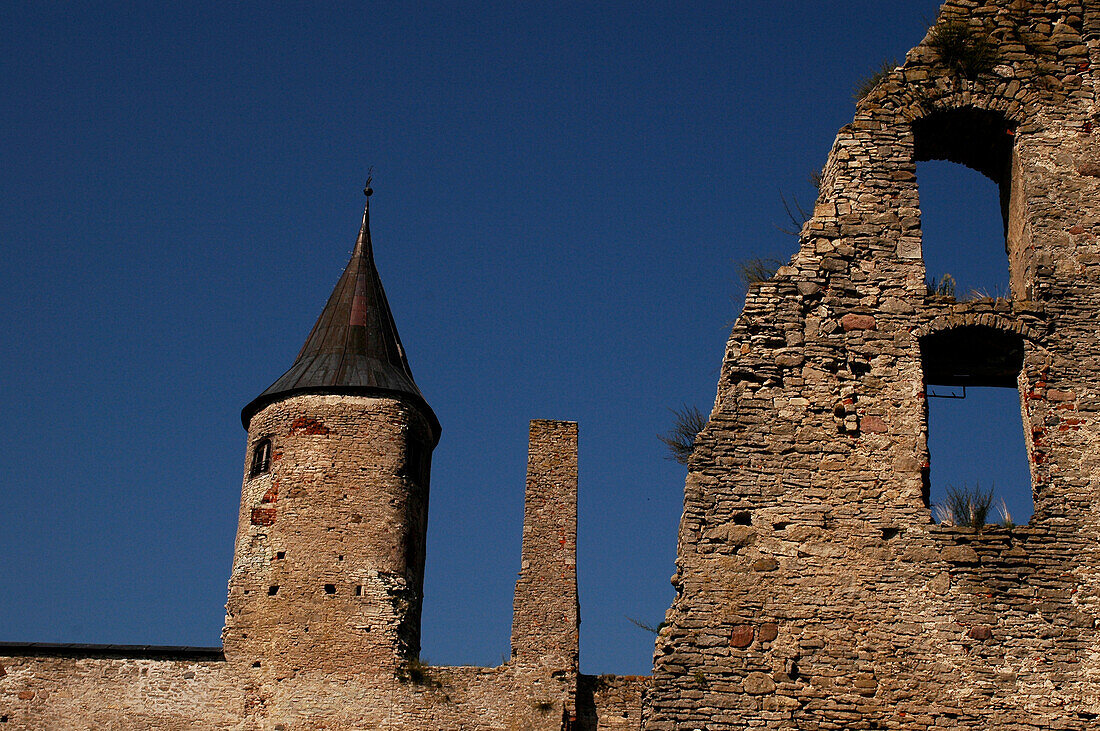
x=354, y=347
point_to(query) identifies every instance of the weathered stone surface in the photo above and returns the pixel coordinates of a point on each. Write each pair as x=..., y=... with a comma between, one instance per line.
x=979, y=632
x=873, y=424
x=1092, y=169
x=897, y=306
x=741, y=636
x=960, y=555
x=758, y=684
x=767, y=563
x=857, y=322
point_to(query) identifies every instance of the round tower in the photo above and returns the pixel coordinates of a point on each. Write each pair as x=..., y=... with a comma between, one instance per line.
x=329, y=561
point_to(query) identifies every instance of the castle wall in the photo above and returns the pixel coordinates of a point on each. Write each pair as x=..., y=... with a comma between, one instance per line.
x=278, y=678
x=813, y=588
x=611, y=702
x=94, y=691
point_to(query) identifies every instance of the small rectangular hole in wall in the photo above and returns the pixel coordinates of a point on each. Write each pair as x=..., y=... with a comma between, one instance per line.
x=272, y=590
x=280, y=555
x=742, y=518
x=359, y=591
x=330, y=588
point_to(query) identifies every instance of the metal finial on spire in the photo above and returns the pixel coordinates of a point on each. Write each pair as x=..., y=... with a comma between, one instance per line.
x=367, y=190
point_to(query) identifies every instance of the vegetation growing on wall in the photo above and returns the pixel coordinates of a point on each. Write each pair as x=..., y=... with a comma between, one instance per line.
x=680, y=439
x=868, y=83
x=964, y=50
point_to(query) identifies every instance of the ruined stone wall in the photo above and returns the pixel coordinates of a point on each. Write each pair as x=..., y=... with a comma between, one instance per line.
x=813, y=588
x=546, y=615
x=611, y=702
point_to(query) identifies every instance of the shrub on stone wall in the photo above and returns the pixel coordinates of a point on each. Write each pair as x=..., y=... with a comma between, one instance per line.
x=680, y=439
x=965, y=50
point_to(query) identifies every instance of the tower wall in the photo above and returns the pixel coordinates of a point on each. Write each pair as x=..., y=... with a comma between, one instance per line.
x=329, y=559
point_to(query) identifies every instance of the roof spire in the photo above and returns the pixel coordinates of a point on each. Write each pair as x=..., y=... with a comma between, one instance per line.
x=363, y=242
x=354, y=347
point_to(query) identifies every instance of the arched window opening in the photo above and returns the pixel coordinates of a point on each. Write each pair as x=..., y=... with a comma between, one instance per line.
x=261, y=458
x=975, y=432
x=968, y=221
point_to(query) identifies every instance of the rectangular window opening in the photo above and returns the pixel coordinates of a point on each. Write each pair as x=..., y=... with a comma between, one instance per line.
x=979, y=473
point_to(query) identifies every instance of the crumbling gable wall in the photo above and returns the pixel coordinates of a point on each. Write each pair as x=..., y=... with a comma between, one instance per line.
x=813, y=588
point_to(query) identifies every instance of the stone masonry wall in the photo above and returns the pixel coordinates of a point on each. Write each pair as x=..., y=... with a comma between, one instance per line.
x=43, y=692
x=814, y=590
x=328, y=567
x=546, y=615
x=611, y=702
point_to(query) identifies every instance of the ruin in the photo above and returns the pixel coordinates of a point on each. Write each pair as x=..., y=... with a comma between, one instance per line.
x=813, y=588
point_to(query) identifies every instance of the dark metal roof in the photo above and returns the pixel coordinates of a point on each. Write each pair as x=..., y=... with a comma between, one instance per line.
x=354, y=346
x=159, y=652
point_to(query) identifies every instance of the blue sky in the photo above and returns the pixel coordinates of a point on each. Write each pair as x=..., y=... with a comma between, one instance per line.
x=562, y=194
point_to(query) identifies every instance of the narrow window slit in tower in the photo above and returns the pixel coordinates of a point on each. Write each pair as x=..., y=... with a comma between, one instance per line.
x=261, y=458
x=359, y=590
x=330, y=588
x=272, y=590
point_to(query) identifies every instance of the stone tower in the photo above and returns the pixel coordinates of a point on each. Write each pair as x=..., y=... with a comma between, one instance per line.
x=329, y=559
